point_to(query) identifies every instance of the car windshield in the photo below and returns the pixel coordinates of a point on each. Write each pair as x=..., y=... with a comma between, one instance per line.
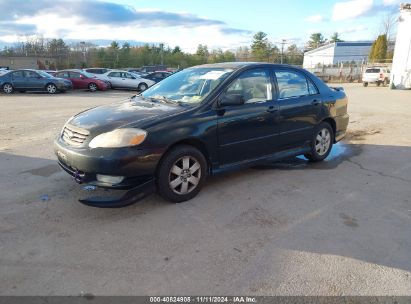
x=190, y=86
x=44, y=74
x=372, y=71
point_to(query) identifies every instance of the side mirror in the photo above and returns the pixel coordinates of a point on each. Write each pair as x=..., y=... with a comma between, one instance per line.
x=232, y=100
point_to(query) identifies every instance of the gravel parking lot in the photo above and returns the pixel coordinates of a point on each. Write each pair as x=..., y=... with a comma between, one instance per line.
x=342, y=227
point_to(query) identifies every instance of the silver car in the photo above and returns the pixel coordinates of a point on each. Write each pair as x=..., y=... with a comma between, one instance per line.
x=125, y=80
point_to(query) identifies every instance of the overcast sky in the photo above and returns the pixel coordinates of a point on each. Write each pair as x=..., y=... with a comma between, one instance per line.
x=187, y=23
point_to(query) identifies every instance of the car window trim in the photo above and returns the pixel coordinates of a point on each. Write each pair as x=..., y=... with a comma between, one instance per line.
x=297, y=72
x=267, y=70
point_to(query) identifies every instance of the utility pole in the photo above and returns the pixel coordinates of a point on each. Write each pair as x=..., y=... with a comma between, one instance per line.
x=161, y=53
x=83, y=49
x=283, y=42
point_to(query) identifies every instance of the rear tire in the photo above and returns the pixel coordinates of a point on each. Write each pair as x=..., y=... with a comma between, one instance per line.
x=181, y=174
x=321, y=143
x=8, y=88
x=365, y=84
x=378, y=83
x=142, y=87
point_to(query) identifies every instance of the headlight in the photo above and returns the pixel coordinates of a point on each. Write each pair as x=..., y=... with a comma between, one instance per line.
x=118, y=138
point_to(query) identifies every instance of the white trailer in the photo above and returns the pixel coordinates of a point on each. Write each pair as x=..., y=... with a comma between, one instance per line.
x=401, y=65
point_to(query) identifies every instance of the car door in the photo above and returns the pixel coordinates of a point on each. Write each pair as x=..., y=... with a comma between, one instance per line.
x=78, y=82
x=115, y=79
x=130, y=81
x=300, y=104
x=34, y=81
x=18, y=80
x=250, y=130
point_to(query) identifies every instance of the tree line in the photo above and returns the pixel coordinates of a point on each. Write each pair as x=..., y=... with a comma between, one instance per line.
x=86, y=54
x=116, y=55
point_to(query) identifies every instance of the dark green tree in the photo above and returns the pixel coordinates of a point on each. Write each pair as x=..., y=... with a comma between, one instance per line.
x=335, y=38
x=379, y=48
x=261, y=48
x=316, y=40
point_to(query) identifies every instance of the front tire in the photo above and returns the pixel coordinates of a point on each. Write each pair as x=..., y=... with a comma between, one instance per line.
x=321, y=142
x=8, y=88
x=365, y=84
x=181, y=174
x=51, y=88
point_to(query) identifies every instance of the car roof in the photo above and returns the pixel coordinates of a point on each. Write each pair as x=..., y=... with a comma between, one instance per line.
x=71, y=70
x=239, y=65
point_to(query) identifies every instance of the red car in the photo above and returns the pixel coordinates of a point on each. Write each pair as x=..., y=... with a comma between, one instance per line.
x=83, y=80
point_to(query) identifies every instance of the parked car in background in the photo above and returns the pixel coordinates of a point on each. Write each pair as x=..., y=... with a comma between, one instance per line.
x=138, y=72
x=377, y=75
x=222, y=116
x=51, y=72
x=157, y=76
x=83, y=80
x=3, y=71
x=33, y=80
x=125, y=80
x=97, y=71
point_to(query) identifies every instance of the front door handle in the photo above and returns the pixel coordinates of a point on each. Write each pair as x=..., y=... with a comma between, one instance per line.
x=272, y=109
x=316, y=102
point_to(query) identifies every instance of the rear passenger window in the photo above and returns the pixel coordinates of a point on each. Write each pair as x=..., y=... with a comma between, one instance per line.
x=292, y=84
x=312, y=88
x=114, y=74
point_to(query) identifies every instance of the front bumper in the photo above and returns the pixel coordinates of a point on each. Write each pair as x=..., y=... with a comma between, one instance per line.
x=83, y=164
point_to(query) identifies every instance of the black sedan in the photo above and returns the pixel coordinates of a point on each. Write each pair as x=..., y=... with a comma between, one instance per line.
x=33, y=80
x=157, y=76
x=200, y=121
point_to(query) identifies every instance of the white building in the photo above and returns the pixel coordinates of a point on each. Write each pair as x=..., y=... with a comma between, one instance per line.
x=401, y=64
x=337, y=52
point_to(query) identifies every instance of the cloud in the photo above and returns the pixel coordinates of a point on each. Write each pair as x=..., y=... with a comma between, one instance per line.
x=315, y=18
x=97, y=12
x=234, y=31
x=98, y=20
x=351, y=9
x=9, y=28
x=392, y=2
x=355, y=29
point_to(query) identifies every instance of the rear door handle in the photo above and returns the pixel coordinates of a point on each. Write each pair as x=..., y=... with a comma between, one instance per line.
x=316, y=102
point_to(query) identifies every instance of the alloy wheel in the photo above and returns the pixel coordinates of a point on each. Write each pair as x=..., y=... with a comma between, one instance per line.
x=8, y=88
x=142, y=87
x=185, y=175
x=92, y=87
x=322, y=142
x=51, y=88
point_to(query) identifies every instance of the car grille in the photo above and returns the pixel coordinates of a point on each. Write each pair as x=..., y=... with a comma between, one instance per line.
x=73, y=135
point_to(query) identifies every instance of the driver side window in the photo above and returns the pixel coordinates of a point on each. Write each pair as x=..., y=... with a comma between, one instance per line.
x=254, y=86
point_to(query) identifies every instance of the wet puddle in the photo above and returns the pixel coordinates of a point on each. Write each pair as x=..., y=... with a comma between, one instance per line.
x=45, y=171
x=339, y=153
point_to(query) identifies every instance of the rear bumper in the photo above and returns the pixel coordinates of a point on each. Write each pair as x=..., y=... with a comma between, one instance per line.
x=83, y=164
x=341, y=126
x=64, y=87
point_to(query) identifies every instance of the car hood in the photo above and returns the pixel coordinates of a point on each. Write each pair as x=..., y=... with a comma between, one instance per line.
x=131, y=112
